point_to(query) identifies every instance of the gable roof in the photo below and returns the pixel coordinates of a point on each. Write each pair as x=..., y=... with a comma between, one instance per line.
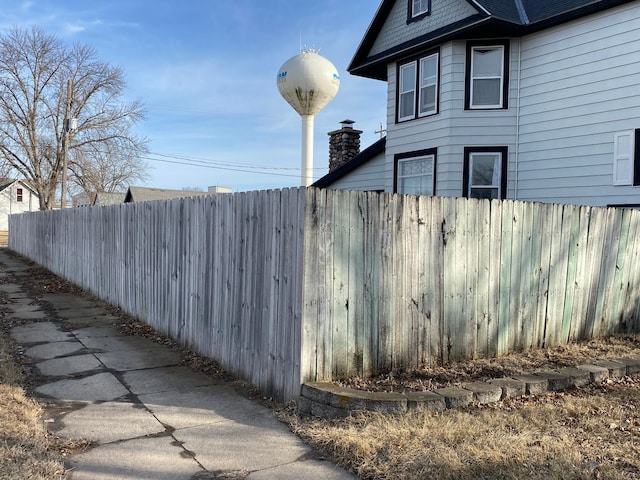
x=145, y=194
x=6, y=182
x=109, y=198
x=494, y=18
x=363, y=157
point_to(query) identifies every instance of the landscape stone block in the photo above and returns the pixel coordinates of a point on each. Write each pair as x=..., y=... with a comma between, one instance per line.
x=632, y=364
x=425, y=401
x=535, y=385
x=320, y=392
x=577, y=376
x=616, y=369
x=484, y=392
x=557, y=381
x=328, y=412
x=387, y=402
x=597, y=374
x=455, y=397
x=510, y=387
x=304, y=405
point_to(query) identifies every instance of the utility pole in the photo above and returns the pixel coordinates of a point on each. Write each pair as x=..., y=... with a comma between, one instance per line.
x=65, y=145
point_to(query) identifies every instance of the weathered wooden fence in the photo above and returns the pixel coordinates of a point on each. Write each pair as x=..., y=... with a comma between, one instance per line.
x=288, y=286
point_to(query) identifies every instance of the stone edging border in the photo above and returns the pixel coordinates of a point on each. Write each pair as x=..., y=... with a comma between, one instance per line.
x=330, y=401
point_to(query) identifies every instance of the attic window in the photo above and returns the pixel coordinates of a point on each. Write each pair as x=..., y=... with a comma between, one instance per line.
x=418, y=9
x=18, y=195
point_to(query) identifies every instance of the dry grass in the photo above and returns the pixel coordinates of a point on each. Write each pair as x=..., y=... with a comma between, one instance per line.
x=27, y=449
x=583, y=434
x=588, y=433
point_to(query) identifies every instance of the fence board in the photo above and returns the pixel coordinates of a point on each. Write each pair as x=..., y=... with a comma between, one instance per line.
x=528, y=276
x=371, y=287
x=355, y=282
x=515, y=294
x=572, y=219
x=472, y=249
x=597, y=228
x=495, y=247
x=340, y=292
x=436, y=308
x=504, y=306
x=410, y=279
x=385, y=332
x=451, y=310
x=631, y=308
x=483, y=294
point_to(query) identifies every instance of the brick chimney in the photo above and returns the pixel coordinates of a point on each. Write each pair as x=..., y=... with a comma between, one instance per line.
x=344, y=144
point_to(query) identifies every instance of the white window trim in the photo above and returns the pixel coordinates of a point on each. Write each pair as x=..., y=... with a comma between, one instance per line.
x=436, y=84
x=401, y=92
x=619, y=178
x=497, y=171
x=417, y=89
x=425, y=8
x=473, y=78
x=411, y=159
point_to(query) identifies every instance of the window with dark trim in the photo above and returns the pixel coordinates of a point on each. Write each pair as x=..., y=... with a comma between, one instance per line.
x=18, y=195
x=485, y=172
x=418, y=87
x=415, y=172
x=418, y=9
x=487, y=75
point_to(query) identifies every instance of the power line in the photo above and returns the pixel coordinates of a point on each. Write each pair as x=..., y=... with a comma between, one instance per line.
x=208, y=163
x=217, y=167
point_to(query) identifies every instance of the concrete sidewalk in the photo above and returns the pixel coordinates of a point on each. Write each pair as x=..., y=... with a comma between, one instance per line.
x=150, y=417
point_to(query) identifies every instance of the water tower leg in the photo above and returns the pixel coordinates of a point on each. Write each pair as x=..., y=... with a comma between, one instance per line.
x=306, y=178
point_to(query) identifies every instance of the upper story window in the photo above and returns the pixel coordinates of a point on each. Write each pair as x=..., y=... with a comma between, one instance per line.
x=415, y=172
x=487, y=75
x=418, y=87
x=18, y=195
x=418, y=9
x=407, y=92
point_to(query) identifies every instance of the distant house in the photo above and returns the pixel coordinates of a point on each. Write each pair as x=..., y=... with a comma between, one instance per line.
x=16, y=196
x=523, y=99
x=81, y=200
x=146, y=194
x=109, y=198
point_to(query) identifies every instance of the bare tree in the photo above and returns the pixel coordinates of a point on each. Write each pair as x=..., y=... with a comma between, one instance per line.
x=108, y=166
x=35, y=68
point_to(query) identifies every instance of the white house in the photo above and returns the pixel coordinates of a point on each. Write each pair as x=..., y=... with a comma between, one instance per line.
x=523, y=99
x=16, y=196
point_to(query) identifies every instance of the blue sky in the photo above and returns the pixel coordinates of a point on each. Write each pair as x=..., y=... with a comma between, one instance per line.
x=206, y=71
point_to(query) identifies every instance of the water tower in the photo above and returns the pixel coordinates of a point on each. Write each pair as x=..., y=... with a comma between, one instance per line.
x=308, y=82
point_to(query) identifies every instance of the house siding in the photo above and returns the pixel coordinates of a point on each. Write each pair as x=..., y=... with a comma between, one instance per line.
x=396, y=30
x=369, y=176
x=580, y=85
x=454, y=128
x=10, y=206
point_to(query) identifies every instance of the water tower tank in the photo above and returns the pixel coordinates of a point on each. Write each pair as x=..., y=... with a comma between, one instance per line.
x=308, y=82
